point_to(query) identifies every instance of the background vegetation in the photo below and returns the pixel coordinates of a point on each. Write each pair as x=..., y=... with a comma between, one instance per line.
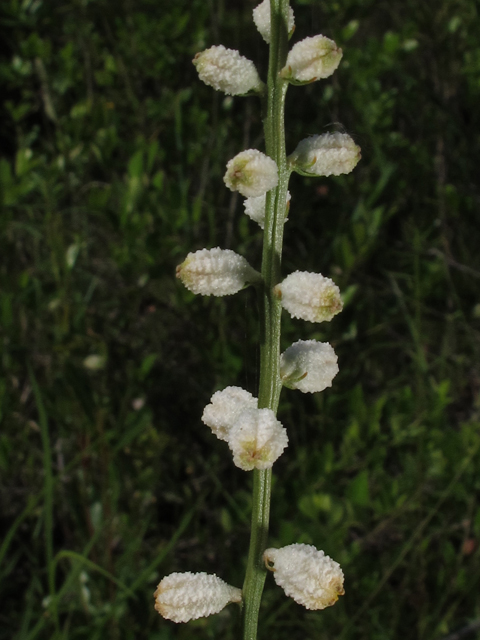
x=112, y=154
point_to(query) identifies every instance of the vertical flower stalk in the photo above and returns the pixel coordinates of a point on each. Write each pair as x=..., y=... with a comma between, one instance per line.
x=270, y=381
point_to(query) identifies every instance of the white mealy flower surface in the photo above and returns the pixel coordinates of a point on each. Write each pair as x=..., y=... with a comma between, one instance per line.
x=252, y=173
x=224, y=409
x=255, y=208
x=309, y=296
x=329, y=154
x=306, y=574
x=311, y=59
x=309, y=366
x=216, y=272
x=228, y=71
x=187, y=596
x=257, y=439
x=261, y=18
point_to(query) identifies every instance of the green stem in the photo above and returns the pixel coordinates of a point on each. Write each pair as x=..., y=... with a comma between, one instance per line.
x=270, y=382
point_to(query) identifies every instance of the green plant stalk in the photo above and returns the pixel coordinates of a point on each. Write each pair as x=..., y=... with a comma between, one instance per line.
x=270, y=382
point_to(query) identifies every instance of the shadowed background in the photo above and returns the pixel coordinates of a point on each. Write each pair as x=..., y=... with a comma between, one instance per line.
x=112, y=154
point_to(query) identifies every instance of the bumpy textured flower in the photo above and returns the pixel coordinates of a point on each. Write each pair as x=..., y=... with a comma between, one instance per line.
x=257, y=439
x=311, y=59
x=252, y=173
x=309, y=366
x=226, y=70
x=255, y=208
x=330, y=154
x=309, y=296
x=261, y=18
x=224, y=409
x=216, y=272
x=305, y=574
x=187, y=596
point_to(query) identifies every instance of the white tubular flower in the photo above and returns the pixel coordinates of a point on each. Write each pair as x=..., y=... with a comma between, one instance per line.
x=255, y=208
x=330, y=154
x=216, y=272
x=311, y=59
x=252, y=173
x=309, y=296
x=187, y=596
x=257, y=439
x=308, y=576
x=224, y=409
x=308, y=366
x=226, y=70
x=261, y=18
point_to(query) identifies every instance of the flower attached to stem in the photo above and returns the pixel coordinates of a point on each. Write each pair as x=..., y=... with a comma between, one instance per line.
x=305, y=574
x=311, y=59
x=309, y=296
x=187, y=596
x=228, y=71
x=309, y=366
x=252, y=173
x=216, y=272
x=224, y=409
x=262, y=20
x=329, y=154
x=257, y=439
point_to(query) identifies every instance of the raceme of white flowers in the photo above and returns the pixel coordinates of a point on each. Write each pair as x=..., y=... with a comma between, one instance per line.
x=330, y=154
x=255, y=208
x=309, y=296
x=224, y=409
x=261, y=18
x=255, y=437
x=311, y=59
x=252, y=173
x=309, y=366
x=216, y=272
x=181, y=597
x=307, y=575
x=226, y=70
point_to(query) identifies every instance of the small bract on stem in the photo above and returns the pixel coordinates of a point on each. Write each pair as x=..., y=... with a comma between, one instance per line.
x=248, y=425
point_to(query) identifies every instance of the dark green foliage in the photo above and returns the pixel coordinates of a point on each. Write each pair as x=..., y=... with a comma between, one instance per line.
x=112, y=154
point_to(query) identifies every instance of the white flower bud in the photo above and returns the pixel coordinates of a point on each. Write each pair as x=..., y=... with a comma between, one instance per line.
x=255, y=208
x=261, y=18
x=224, y=409
x=330, y=154
x=309, y=296
x=311, y=59
x=308, y=576
x=216, y=272
x=187, y=596
x=252, y=173
x=257, y=439
x=309, y=366
x=226, y=70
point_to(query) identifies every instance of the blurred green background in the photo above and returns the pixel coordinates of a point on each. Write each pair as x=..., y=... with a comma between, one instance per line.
x=112, y=157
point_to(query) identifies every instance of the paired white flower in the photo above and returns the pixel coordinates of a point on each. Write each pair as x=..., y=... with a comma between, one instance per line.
x=224, y=409
x=311, y=59
x=307, y=575
x=187, y=596
x=228, y=71
x=252, y=173
x=309, y=366
x=262, y=20
x=257, y=439
x=255, y=208
x=309, y=296
x=216, y=272
x=330, y=154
